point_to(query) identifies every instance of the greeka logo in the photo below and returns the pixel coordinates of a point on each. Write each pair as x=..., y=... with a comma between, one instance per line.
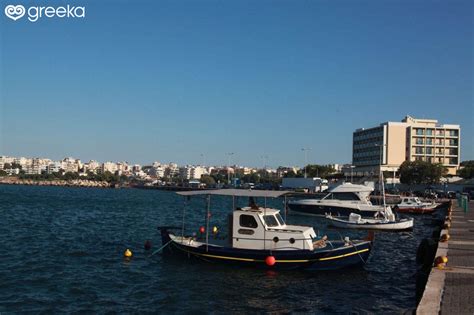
x=16, y=12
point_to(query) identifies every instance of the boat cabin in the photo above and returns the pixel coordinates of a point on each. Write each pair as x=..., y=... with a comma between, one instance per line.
x=350, y=192
x=411, y=201
x=264, y=228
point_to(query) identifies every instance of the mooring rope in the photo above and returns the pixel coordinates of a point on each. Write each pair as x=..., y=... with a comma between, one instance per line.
x=159, y=249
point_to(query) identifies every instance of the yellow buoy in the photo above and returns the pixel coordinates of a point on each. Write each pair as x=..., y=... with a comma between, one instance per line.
x=128, y=253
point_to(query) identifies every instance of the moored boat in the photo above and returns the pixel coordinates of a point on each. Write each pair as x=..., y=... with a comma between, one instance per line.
x=416, y=206
x=341, y=200
x=259, y=237
x=355, y=221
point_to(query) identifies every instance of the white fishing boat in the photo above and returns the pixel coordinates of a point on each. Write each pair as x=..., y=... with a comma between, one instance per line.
x=259, y=237
x=385, y=223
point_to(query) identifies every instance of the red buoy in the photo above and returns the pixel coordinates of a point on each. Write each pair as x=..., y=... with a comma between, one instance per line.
x=202, y=230
x=270, y=261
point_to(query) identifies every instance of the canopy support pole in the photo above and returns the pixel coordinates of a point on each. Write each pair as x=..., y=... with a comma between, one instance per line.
x=264, y=227
x=184, y=210
x=207, y=221
x=286, y=209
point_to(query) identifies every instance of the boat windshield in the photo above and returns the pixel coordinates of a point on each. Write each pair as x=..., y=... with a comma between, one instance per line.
x=280, y=219
x=270, y=220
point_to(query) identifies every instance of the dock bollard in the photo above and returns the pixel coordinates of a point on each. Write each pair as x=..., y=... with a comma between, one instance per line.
x=440, y=262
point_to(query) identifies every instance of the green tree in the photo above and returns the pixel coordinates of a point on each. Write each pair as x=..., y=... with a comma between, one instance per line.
x=3, y=173
x=421, y=172
x=467, y=170
x=314, y=170
x=208, y=180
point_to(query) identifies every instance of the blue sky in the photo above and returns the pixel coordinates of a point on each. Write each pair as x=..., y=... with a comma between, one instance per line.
x=141, y=81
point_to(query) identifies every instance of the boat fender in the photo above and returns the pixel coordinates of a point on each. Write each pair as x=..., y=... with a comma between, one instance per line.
x=270, y=261
x=147, y=245
x=426, y=252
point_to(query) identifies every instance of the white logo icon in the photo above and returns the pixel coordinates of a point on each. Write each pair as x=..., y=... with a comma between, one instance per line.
x=14, y=12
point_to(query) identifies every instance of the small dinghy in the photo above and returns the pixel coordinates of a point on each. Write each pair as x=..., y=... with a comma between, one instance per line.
x=259, y=237
x=383, y=222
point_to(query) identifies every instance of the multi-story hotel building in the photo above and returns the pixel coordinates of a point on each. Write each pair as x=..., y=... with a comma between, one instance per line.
x=388, y=145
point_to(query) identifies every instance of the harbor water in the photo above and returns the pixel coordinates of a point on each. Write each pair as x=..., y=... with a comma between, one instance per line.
x=62, y=251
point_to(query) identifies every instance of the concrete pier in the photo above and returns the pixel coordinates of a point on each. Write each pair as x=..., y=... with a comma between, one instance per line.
x=450, y=290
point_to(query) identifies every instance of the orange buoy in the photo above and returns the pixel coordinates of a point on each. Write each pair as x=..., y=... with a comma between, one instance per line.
x=270, y=260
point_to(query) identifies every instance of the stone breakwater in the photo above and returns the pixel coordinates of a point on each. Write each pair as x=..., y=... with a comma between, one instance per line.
x=68, y=183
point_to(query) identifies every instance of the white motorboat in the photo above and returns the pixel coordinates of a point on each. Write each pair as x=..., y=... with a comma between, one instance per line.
x=415, y=205
x=341, y=200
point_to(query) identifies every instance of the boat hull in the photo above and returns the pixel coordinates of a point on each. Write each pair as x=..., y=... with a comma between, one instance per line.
x=323, y=210
x=326, y=259
x=416, y=210
x=406, y=224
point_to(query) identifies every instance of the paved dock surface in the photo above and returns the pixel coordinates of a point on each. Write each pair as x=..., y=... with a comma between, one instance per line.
x=458, y=294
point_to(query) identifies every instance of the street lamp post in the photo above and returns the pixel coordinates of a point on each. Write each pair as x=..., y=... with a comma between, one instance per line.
x=305, y=159
x=228, y=166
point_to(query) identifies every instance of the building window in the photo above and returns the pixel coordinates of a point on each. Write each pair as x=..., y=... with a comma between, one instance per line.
x=248, y=221
x=439, y=141
x=429, y=150
x=419, y=150
x=419, y=141
x=429, y=141
x=453, y=160
x=419, y=132
x=453, y=151
x=440, y=132
x=453, y=133
x=429, y=132
x=453, y=142
x=439, y=151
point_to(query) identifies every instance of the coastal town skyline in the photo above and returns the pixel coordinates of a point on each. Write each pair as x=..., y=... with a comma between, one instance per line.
x=173, y=82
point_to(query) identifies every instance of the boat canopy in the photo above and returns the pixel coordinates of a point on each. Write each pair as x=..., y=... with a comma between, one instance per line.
x=236, y=192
